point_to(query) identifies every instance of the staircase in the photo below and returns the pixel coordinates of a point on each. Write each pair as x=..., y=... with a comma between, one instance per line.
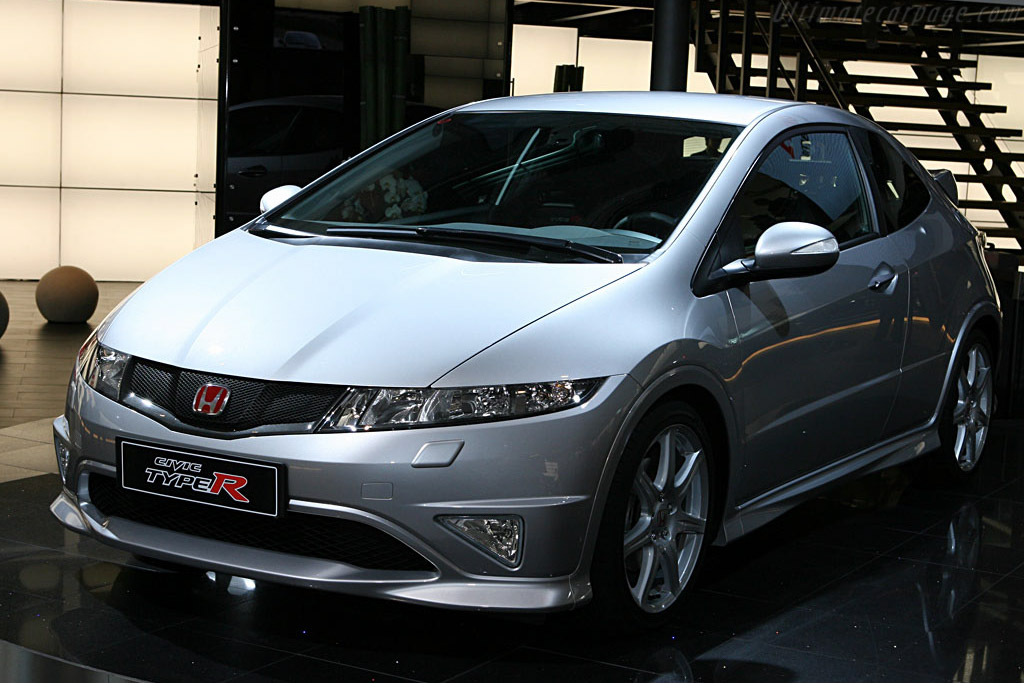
x=910, y=77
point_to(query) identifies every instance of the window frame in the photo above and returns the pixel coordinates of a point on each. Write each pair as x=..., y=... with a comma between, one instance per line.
x=864, y=148
x=704, y=268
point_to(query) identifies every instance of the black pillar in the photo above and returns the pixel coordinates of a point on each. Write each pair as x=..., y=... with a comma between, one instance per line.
x=671, y=49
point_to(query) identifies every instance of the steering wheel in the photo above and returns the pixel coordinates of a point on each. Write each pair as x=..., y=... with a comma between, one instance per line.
x=661, y=225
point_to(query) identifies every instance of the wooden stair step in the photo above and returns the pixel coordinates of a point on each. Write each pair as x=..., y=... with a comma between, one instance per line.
x=1012, y=181
x=952, y=130
x=990, y=204
x=910, y=81
x=932, y=154
x=911, y=102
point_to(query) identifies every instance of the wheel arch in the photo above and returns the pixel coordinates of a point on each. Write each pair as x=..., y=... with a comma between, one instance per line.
x=985, y=317
x=705, y=393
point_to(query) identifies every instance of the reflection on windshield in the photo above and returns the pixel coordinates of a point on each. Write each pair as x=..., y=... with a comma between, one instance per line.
x=613, y=181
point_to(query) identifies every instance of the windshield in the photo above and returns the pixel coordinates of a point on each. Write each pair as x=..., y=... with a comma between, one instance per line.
x=618, y=182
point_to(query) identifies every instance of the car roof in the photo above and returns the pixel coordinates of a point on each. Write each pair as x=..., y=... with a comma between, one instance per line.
x=732, y=109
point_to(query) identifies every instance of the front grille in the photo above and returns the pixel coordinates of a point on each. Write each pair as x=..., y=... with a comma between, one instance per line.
x=252, y=403
x=293, y=533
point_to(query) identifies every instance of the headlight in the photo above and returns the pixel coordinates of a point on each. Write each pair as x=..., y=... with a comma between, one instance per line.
x=102, y=368
x=363, y=409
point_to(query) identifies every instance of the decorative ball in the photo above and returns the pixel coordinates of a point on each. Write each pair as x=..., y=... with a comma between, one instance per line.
x=5, y=314
x=67, y=295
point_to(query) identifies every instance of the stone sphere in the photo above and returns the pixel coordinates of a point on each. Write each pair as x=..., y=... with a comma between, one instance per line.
x=5, y=314
x=67, y=295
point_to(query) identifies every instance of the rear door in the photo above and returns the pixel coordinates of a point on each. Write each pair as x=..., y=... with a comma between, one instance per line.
x=821, y=353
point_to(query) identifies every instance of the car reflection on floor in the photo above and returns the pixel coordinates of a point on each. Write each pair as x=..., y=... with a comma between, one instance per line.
x=893, y=576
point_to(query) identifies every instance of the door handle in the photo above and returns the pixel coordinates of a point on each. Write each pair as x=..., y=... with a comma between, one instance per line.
x=882, y=279
x=253, y=172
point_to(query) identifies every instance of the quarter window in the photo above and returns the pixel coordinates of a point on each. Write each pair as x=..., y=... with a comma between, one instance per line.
x=902, y=195
x=809, y=177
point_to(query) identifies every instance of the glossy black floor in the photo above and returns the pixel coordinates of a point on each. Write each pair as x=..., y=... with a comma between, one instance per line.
x=896, y=577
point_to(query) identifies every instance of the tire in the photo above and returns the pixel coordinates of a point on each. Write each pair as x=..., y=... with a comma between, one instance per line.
x=964, y=426
x=657, y=523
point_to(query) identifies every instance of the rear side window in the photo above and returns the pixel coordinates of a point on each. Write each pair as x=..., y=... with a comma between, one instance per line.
x=809, y=177
x=902, y=194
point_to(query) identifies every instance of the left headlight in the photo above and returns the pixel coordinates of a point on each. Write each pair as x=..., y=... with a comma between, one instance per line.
x=102, y=368
x=371, y=408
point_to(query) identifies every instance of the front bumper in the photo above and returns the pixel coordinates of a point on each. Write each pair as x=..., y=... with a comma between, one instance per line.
x=545, y=469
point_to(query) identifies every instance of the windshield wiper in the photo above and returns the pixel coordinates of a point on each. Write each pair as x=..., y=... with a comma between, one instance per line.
x=481, y=237
x=268, y=230
x=549, y=243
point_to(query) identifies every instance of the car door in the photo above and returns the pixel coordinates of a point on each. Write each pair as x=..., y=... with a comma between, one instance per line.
x=820, y=354
x=315, y=145
x=925, y=238
x=257, y=135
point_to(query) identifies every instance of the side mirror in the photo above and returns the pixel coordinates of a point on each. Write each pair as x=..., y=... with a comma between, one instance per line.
x=790, y=249
x=277, y=196
x=947, y=182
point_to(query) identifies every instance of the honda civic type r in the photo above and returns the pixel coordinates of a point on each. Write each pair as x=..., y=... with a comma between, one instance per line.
x=537, y=352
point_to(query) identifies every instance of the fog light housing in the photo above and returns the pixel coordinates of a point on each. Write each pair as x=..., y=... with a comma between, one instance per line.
x=63, y=458
x=500, y=536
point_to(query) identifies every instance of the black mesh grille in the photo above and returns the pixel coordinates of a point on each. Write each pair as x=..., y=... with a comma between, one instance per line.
x=338, y=540
x=252, y=403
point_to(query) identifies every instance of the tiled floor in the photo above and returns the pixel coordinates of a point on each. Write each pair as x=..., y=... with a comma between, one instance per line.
x=36, y=357
x=899, y=576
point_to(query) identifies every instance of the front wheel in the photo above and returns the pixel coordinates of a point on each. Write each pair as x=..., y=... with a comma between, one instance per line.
x=658, y=519
x=965, y=423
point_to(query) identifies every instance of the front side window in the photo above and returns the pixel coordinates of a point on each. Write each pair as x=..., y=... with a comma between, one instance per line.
x=618, y=182
x=902, y=194
x=809, y=177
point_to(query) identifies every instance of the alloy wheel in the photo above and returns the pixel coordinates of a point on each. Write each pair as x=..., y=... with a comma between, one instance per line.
x=666, y=516
x=973, y=407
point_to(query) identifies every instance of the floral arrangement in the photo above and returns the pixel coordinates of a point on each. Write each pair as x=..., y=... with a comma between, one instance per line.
x=389, y=198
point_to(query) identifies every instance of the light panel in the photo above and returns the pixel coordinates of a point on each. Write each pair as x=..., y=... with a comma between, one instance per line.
x=30, y=145
x=536, y=51
x=615, y=64
x=29, y=231
x=206, y=145
x=30, y=45
x=129, y=142
x=131, y=48
x=125, y=235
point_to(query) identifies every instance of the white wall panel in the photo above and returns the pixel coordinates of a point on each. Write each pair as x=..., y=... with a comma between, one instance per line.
x=136, y=48
x=126, y=235
x=129, y=142
x=536, y=51
x=30, y=140
x=30, y=44
x=206, y=144
x=205, y=210
x=29, y=231
x=615, y=64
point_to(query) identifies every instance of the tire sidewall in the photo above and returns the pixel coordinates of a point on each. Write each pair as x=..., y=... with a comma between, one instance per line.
x=612, y=599
x=947, y=429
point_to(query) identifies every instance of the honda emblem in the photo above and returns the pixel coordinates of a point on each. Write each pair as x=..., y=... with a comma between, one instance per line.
x=211, y=399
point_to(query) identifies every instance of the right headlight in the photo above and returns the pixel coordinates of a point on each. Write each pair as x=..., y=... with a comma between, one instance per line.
x=373, y=408
x=102, y=368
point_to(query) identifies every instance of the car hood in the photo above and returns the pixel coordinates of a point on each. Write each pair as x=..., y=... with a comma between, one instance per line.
x=252, y=307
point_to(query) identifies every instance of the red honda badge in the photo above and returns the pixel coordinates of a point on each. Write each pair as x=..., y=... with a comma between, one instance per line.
x=211, y=399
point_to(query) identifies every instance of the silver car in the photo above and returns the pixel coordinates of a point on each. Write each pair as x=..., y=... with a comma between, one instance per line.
x=537, y=352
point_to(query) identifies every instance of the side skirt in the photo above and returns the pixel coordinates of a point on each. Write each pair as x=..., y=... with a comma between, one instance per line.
x=762, y=509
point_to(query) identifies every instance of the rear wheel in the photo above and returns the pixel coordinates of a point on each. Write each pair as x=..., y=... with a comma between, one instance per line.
x=965, y=424
x=658, y=520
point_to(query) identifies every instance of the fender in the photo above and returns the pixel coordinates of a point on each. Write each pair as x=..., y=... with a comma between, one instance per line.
x=981, y=309
x=676, y=378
